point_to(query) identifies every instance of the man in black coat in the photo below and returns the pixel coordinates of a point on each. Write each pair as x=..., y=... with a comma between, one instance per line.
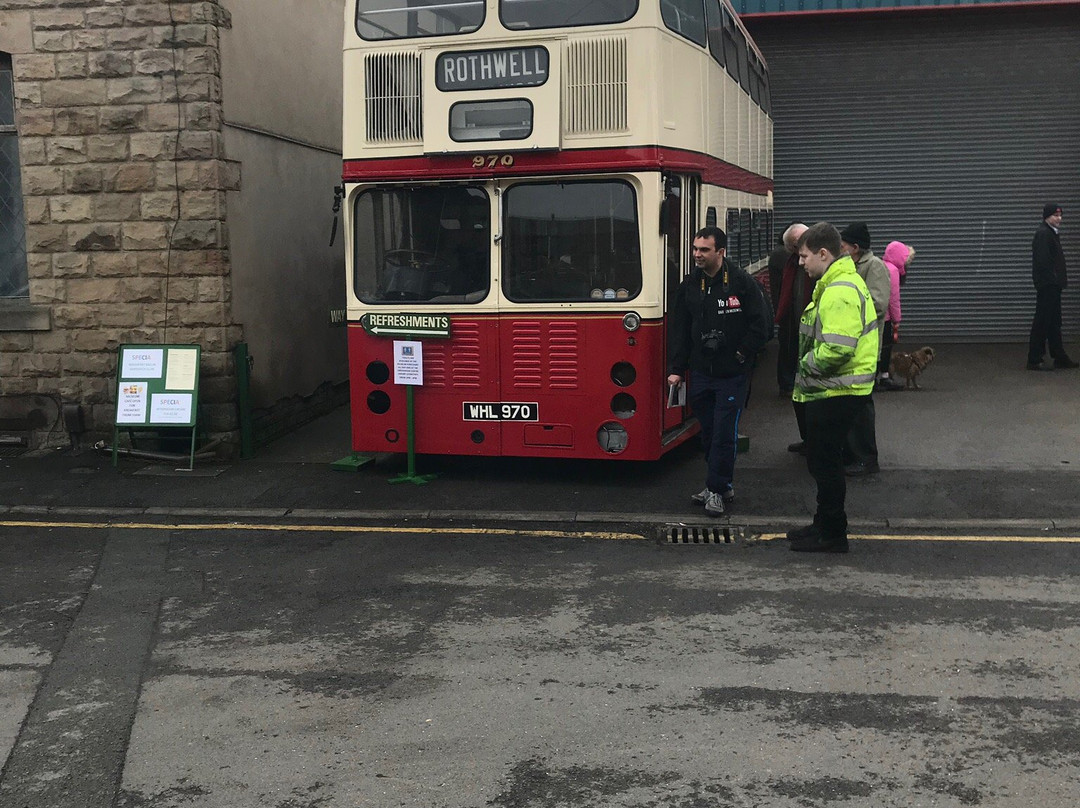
x=1048, y=273
x=720, y=320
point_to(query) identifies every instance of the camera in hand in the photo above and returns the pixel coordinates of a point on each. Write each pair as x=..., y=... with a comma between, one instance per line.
x=713, y=341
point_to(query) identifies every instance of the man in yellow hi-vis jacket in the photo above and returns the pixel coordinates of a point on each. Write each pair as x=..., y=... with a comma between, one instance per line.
x=838, y=349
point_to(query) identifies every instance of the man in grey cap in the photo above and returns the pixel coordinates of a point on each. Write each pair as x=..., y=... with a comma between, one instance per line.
x=1048, y=273
x=861, y=451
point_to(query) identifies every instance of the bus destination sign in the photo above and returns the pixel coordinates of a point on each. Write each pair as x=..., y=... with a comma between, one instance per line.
x=406, y=325
x=491, y=69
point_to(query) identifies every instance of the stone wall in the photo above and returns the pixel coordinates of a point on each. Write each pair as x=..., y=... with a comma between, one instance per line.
x=118, y=110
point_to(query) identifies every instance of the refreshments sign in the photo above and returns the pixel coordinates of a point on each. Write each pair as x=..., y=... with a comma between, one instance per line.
x=381, y=324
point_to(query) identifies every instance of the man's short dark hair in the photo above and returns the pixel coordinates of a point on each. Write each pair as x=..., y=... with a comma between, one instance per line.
x=718, y=236
x=821, y=235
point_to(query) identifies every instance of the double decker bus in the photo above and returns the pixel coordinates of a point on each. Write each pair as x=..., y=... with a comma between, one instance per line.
x=523, y=179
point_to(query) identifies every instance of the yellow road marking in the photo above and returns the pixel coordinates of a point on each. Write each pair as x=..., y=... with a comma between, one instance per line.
x=945, y=538
x=469, y=531
x=494, y=531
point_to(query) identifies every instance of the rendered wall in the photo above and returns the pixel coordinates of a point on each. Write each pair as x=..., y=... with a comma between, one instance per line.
x=281, y=101
x=285, y=277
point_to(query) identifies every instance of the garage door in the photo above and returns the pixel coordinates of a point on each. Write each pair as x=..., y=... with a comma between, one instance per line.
x=947, y=131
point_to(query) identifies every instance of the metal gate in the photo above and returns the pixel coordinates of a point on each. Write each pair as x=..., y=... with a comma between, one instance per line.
x=947, y=131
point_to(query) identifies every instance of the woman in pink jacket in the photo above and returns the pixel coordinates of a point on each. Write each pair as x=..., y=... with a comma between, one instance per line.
x=897, y=256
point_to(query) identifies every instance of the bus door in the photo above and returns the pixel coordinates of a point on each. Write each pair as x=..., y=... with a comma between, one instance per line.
x=570, y=252
x=539, y=402
x=423, y=251
x=679, y=225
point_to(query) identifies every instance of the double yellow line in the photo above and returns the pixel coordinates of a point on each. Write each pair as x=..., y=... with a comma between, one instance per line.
x=418, y=530
x=495, y=531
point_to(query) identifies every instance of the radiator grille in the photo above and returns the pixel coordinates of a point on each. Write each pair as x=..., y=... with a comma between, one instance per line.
x=526, y=348
x=458, y=368
x=563, y=356
x=392, y=98
x=545, y=355
x=595, y=94
x=466, y=369
x=434, y=364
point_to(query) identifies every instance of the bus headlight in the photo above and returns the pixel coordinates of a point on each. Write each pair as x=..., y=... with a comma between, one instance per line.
x=631, y=321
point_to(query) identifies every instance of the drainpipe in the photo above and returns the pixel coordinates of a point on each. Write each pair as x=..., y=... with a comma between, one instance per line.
x=243, y=399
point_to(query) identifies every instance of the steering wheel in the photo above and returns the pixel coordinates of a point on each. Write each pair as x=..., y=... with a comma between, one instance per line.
x=414, y=258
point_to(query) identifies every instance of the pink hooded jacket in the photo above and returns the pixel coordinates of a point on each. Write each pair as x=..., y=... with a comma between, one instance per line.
x=895, y=258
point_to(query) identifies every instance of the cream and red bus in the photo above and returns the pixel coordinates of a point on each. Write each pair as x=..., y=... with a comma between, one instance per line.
x=522, y=182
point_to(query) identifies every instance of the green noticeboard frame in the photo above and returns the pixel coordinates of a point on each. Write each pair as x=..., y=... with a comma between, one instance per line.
x=157, y=386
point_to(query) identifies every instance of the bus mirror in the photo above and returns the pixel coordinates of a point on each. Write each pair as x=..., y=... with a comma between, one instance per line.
x=339, y=194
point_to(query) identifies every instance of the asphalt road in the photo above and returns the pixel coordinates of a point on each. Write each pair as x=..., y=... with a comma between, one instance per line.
x=344, y=665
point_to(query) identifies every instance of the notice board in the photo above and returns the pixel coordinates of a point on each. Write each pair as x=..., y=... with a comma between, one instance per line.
x=157, y=385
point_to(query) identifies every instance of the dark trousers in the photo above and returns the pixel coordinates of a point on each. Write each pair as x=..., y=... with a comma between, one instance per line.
x=787, y=354
x=886, y=349
x=828, y=422
x=862, y=437
x=717, y=404
x=800, y=418
x=1046, y=326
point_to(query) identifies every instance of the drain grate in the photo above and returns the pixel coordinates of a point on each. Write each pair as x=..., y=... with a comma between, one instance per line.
x=13, y=451
x=689, y=534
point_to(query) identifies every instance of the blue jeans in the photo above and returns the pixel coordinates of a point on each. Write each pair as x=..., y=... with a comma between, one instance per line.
x=717, y=404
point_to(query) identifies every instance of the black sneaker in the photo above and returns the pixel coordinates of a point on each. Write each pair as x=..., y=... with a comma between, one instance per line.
x=1064, y=363
x=1036, y=366
x=805, y=532
x=861, y=469
x=821, y=544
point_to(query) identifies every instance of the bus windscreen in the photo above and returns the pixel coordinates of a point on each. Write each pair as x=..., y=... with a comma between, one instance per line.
x=571, y=241
x=426, y=245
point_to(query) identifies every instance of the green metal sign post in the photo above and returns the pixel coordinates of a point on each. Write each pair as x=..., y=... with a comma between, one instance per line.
x=410, y=476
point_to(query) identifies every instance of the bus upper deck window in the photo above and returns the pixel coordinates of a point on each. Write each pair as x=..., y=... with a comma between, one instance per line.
x=685, y=17
x=519, y=14
x=402, y=19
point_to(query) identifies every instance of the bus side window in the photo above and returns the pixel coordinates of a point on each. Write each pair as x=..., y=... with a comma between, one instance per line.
x=716, y=30
x=745, y=237
x=734, y=245
x=755, y=236
x=684, y=17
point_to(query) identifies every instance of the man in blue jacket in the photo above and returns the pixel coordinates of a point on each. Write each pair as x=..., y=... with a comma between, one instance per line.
x=1048, y=273
x=720, y=320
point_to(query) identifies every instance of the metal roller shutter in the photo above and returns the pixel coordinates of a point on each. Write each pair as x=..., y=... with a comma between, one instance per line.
x=946, y=131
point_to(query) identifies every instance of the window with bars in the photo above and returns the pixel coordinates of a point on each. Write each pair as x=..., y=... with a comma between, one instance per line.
x=13, y=282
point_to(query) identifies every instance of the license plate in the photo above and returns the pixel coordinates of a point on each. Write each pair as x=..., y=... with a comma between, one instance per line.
x=500, y=411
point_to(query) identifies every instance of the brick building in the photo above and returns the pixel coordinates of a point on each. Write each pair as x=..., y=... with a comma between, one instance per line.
x=166, y=175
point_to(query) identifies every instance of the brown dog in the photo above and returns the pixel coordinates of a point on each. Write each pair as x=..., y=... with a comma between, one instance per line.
x=908, y=366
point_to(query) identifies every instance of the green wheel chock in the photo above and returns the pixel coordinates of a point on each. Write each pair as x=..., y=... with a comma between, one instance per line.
x=352, y=463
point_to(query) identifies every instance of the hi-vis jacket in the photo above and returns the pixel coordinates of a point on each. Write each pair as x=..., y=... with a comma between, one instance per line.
x=839, y=337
